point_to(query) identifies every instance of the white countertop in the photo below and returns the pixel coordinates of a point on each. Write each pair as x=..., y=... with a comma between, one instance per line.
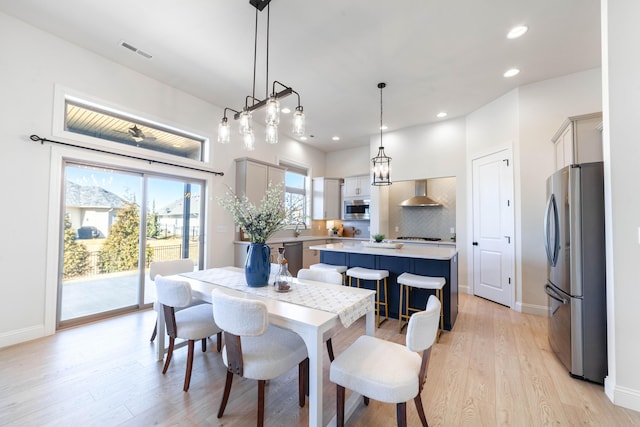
x=303, y=239
x=408, y=251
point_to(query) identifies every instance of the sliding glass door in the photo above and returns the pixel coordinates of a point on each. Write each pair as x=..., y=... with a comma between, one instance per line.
x=115, y=223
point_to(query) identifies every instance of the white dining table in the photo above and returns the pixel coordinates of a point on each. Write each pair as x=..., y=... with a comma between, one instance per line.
x=308, y=321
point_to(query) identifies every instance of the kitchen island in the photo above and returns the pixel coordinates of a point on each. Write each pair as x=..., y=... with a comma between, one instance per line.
x=416, y=259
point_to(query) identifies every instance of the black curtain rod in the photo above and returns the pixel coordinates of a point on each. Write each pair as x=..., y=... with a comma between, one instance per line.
x=43, y=140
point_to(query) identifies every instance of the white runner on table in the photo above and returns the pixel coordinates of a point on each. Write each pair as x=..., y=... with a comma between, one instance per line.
x=349, y=306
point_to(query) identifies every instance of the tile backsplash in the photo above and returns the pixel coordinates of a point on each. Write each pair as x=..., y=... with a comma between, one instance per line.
x=423, y=221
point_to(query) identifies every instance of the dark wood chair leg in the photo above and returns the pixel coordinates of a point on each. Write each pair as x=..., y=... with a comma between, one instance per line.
x=169, y=354
x=303, y=381
x=330, y=350
x=187, y=376
x=225, y=395
x=219, y=342
x=204, y=345
x=420, y=409
x=155, y=332
x=365, y=399
x=261, y=402
x=401, y=414
x=340, y=406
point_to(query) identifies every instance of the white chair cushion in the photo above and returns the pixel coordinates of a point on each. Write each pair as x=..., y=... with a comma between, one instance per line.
x=321, y=266
x=195, y=323
x=423, y=282
x=171, y=292
x=379, y=369
x=367, y=273
x=327, y=276
x=270, y=355
x=423, y=326
x=239, y=316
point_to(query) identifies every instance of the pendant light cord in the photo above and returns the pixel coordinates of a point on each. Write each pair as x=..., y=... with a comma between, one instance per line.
x=266, y=81
x=381, y=86
x=255, y=53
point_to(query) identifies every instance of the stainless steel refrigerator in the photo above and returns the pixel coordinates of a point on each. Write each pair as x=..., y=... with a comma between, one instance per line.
x=575, y=246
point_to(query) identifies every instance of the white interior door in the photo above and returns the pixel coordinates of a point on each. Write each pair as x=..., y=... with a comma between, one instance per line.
x=493, y=230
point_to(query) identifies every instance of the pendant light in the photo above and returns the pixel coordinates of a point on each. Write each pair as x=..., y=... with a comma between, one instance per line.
x=271, y=102
x=381, y=163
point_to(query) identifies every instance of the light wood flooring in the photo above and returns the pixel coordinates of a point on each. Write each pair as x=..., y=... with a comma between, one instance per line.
x=494, y=368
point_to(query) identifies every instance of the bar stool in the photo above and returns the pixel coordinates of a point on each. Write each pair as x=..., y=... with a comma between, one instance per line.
x=377, y=275
x=342, y=269
x=408, y=281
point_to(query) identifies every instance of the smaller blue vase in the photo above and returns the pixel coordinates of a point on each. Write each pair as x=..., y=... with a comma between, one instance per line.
x=257, y=266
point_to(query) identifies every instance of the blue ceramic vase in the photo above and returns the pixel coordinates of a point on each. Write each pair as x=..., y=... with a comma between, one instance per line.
x=257, y=266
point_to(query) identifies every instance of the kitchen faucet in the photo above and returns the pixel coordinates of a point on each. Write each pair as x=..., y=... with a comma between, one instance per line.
x=296, y=232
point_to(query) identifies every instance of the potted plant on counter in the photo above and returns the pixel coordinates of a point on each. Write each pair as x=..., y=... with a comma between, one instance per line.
x=378, y=237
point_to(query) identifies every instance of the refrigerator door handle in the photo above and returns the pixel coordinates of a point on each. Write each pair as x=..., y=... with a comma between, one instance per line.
x=552, y=209
x=553, y=294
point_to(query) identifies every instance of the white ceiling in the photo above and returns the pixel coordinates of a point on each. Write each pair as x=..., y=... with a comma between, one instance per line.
x=434, y=55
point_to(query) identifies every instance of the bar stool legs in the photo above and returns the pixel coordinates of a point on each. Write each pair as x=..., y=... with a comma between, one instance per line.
x=406, y=281
x=380, y=293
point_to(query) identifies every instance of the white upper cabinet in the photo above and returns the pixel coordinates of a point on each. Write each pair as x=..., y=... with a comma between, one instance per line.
x=253, y=177
x=326, y=198
x=579, y=140
x=357, y=186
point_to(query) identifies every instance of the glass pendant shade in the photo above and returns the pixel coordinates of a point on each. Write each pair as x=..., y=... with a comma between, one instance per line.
x=272, y=133
x=298, y=122
x=245, y=123
x=272, y=114
x=224, y=131
x=249, y=141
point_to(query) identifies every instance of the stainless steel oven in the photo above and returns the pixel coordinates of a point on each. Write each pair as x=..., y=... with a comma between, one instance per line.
x=355, y=209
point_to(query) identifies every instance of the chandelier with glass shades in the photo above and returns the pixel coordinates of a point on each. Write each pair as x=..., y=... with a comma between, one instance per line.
x=381, y=162
x=271, y=103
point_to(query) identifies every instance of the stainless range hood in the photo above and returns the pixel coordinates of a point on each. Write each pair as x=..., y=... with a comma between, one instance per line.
x=420, y=199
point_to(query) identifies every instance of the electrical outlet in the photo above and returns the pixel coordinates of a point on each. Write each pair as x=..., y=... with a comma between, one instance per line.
x=452, y=230
x=397, y=228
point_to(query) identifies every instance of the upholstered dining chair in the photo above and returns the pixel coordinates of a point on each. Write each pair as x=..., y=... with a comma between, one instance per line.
x=168, y=268
x=255, y=349
x=190, y=323
x=326, y=276
x=386, y=371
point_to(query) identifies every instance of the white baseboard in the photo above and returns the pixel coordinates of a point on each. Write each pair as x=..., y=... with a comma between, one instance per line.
x=622, y=396
x=21, y=335
x=538, y=310
x=464, y=289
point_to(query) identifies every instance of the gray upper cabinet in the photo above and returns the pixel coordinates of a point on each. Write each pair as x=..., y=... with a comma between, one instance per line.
x=579, y=140
x=253, y=177
x=326, y=198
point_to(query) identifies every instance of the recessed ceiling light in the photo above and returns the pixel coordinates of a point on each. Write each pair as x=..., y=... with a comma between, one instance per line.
x=441, y=115
x=303, y=138
x=285, y=110
x=384, y=127
x=336, y=138
x=517, y=31
x=511, y=72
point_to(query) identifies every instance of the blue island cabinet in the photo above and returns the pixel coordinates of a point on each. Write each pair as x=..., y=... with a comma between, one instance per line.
x=447, y=268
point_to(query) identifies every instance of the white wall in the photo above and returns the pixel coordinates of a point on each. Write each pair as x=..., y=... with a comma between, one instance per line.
x=351, y=162
x=526, y=119
x=35, y=62
x=621, y=113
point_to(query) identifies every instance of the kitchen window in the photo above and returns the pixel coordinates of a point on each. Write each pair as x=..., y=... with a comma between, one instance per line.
x=295, y=181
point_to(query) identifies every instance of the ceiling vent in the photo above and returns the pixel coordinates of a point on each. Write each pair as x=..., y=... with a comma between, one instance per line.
x=420, y=199
x=132, y=48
